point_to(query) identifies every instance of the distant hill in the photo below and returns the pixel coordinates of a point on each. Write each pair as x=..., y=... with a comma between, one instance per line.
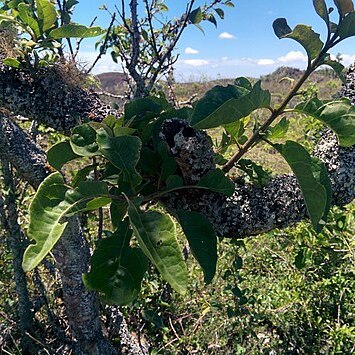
x=113, y=82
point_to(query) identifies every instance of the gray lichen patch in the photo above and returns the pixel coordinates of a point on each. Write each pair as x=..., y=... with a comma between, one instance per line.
x=191, y=149
x=49, y=98
x=252, y=210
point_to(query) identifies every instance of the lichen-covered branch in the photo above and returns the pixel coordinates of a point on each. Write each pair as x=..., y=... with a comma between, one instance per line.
x=52, y=96
x=251, y=210
x=71, y=252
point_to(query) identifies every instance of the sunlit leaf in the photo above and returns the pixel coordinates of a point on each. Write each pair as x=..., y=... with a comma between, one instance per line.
x=339, y=115
x=303, y=34
x=54, y=201
x=223, y=105
x=321, y=9
x=313, y=179
x=156, y=234
x=47, y=15
x=76, y=31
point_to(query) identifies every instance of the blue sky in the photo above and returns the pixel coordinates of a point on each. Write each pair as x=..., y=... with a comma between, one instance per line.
x=243, y=43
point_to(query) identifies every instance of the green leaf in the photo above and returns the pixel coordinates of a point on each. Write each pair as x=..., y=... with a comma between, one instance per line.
x=202, y=240
x=168, y=166
x=321, y=8
x=313, y=179
x=339, y=115
x=60, y=154
x=156, y=234
x=303, y=34
x=195, y=17
x=344, y=6
x=212, y=19
x=118, y=210
x=123, y=131
x=141, y=109
x=220, y=13
x=117, y=270
x=82, y=174
x=83, y=141
x=336, y=66
x=174, y=181
x=123, y=152
x=76, y=31
x=11, y=62
x=47, y=15
x=52, y=203
x=279, y=130
x=216, y=181
x=27, y=16
x=255, y=173
x=281, y=28
x=346, y=27
x=223, y=105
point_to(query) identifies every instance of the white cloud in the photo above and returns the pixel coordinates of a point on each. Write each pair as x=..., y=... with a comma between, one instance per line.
x=265, y=62
x=190, y=50
x=226, y=35
x=293, y=56
x=196, y=62
x=347, y=59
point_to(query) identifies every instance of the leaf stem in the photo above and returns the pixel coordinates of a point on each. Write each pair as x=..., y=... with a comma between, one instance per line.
x=277, y=112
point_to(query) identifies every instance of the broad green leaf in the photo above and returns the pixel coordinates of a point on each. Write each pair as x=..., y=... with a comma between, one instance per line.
x=335, y=65
x=303, y=34
x=214, y=99
x=215, y=180
x=281, y=28
x=52, y=203
x=344, y=6
x=313, y=179
x=196, y=16
x=82, y=174
x=339, y=115
x=123, y=152
x=47, y=15
x=321, y=9
x=26, y=15
x=156, y=234
x=173, y=182
x=202, y=240
x=117, y=270
x=11, y=62
x=60, y=154
x=139, y=109
x=346, y=27
x=123, y=131
x=224, y=109
x=74, y=30
x=83, y=141
x=279, y=130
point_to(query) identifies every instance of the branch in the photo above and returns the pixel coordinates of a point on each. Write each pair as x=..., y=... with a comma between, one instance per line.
x=52, y=97
x=251, y=210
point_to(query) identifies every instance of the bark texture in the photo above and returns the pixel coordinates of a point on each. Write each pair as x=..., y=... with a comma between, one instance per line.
x=252, y=210
x=71, y=253
x=51, y=97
